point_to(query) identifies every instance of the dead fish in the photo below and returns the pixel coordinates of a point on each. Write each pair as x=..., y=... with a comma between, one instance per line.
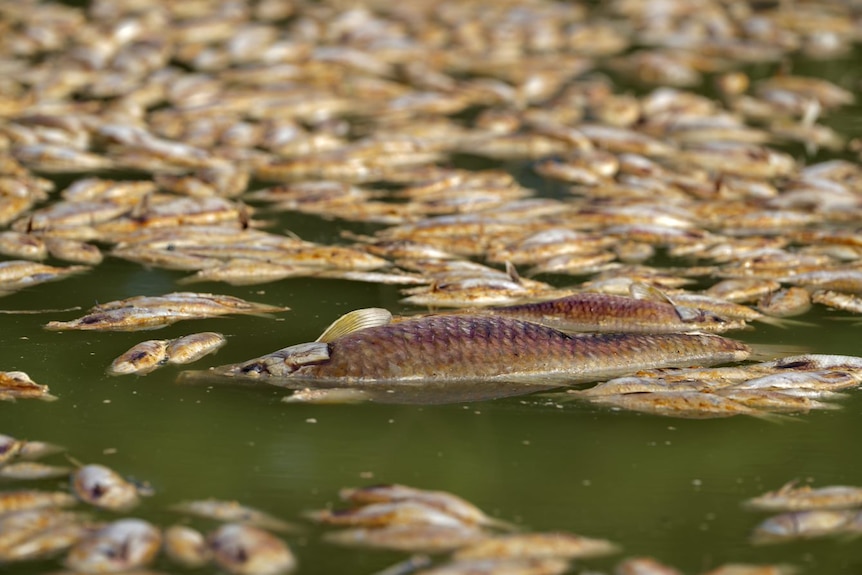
x=611, y=313
x=18, y=385
x=9, y=448
x=385, y=513
x=819, y=380
x=186, y=546
x=775, y=401
x=122, y=545
x=22, y=245
x=448, y=503
x=102, y=487
x=141, y=359
x=507, y=566
x=19, y=527
x=27, y=470
x=47, y=542
x=805, y=498
x=154, y=312
x=246, y=550
x=803, y=525
x=749, y=569
x=644, y=566
x=232, y=511
x=364, y=348
x=683, y=404
x=537, y=545
x=636, y=384
x=38, y=449
x=409, y=537
x=18, y=274
x=190, y=348
x=22, y=500
x=787, y=302
x=838, y=300
x=72, y=250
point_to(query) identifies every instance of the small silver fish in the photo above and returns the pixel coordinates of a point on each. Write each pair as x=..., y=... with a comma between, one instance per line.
x=141, y=359
x=246, y=550
x=122, y=545
x=105, y=488
x=190, y=348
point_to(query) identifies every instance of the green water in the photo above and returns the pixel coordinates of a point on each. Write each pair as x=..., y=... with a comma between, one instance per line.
x=662, y=487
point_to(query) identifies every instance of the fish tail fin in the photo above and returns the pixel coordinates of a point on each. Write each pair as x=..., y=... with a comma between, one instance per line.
x=501, y=524
x=769, y=352
x=784, y=322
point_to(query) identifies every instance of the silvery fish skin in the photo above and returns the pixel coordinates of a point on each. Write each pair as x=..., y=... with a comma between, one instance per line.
x=604, y=312
x=469, y=348
x=119, y=546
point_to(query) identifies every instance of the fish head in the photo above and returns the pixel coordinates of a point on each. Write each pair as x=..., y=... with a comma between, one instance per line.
x=286, y=361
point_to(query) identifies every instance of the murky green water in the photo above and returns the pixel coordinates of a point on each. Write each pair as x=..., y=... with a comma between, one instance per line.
x=662, y=487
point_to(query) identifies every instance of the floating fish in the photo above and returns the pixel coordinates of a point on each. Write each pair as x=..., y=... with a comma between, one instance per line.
x=803, y=525
x=28, y=470
x=507, y=566
x=186, y=546
x=246, y=550
x=537, y=545
x=22, y=500
x=154, y=312
x=18, y=385
x=233, y=512
x=805, y=498
x=410, y=537
x=364, y=348
x=190, y=348
x=141, y=359
x=123, y=545
x=102, y=487
x=448, y=503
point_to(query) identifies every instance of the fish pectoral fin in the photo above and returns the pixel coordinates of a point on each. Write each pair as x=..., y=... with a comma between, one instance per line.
x=686, y=313
x=354, y=321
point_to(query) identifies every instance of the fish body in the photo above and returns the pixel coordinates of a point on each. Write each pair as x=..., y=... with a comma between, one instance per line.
x=469, y=348
x=613, y=313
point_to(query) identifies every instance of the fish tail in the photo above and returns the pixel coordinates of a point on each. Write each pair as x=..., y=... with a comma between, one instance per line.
x=769, y=352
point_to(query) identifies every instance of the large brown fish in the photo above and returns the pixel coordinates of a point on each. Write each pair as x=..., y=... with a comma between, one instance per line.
x=614, y=313
x=363, y=347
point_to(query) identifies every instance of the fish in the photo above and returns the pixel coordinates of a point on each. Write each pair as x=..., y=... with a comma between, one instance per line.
x=193, y=347
x=683, y=404
x=789, y=497
x=186, y=546
x=122, y=545
x=414, y=538
x=363, y=347
x=233, y=512
x=597, y=312
x=26, y=499
x=385, y=513
x=103, y=487
x=27, y=470
x=644, y=566
x=537, y=545
x=246, y=550
x=506, y=566
x=803, y=525
x=450, y=504
x=141, y=359
x=18, y=385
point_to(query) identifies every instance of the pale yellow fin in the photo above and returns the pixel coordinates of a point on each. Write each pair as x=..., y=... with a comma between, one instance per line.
x=355, y=321
x=512, y=272
x=640, y=290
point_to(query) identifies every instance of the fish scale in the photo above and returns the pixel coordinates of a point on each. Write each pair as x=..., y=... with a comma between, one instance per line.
x=464, y=347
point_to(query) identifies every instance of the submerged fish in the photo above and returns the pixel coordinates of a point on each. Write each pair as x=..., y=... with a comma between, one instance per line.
x=363, y=347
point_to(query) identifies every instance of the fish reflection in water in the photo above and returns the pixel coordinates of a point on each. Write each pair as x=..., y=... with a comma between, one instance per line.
x=363, y=350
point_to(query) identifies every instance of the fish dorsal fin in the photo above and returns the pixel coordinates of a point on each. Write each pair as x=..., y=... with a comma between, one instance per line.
x=640, y=290
x=355, y=321
x=512, y=272
x=644, y=291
